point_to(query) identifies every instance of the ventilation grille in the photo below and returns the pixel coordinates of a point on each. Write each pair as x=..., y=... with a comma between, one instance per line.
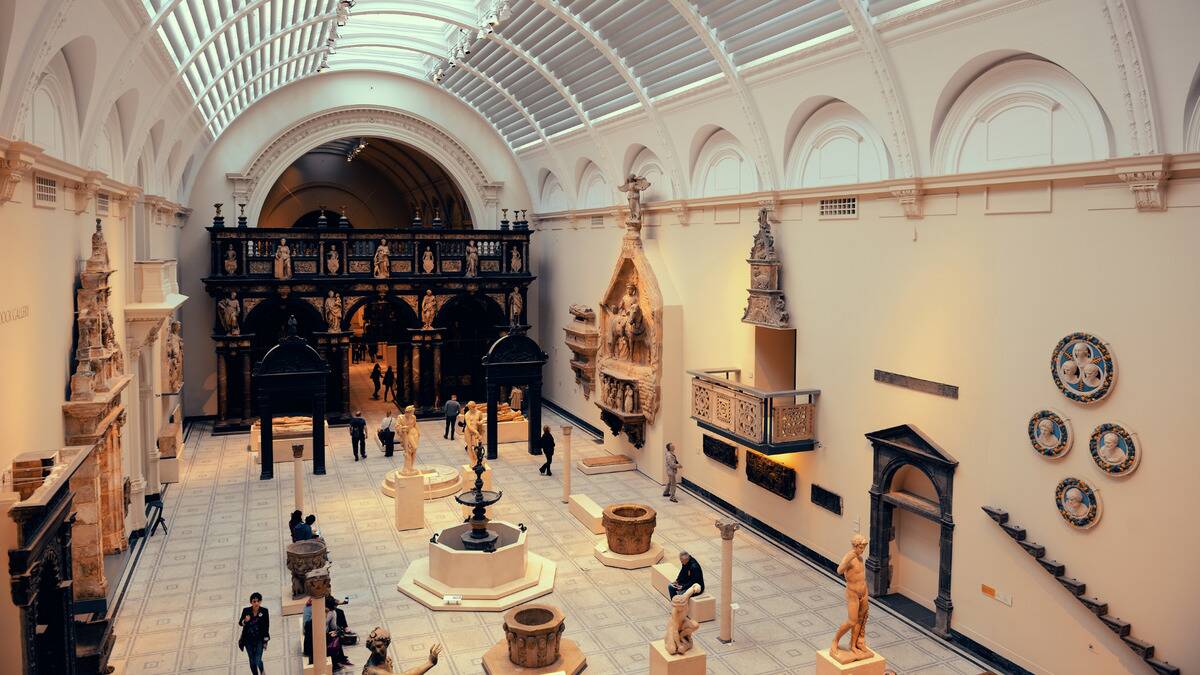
x=839, y=206
x=102, y=204
x=45, y=191
x=597, y=221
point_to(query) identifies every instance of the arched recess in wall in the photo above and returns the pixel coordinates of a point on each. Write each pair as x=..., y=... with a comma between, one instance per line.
x=80, y=56
x=8, y=15
x=102, y=154
x=720, y=166
x=348, y=122
x=837, y=145
x=551, y=195
x=594, y=191
x=52, y=122
x=642, y=161
x=1022, y=112
x=1191, y=116
x=127, y=109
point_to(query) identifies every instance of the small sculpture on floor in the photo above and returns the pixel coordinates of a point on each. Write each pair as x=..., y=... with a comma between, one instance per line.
x=680, y=626
x=410, y=436
x=854, y=571
x=283, y=260
x=379, y=663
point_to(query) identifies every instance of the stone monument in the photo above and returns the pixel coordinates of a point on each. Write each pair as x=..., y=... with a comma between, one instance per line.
x=676, y=653
x=410, y=435
x=766, y=306
x=628, y=531
x=533, y=643
x=858, y=659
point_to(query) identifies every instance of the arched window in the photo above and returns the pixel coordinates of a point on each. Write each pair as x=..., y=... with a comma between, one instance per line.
x=837, y=146
x=723, y=167
x=646, y=164
x=553, y=197
x=594, y=191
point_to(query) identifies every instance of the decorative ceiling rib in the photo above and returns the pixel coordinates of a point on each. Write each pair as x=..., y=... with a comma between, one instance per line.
x=537, y=68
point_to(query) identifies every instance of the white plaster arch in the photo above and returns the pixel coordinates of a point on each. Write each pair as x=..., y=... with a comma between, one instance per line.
x=837, y=146
x=722, y=167
x=1191, y=116
x=261, y=173
x=594, y=191
x=52, y=122
x=102, y=154
x=551, y=195
x=646, y=164
x=1024, y=112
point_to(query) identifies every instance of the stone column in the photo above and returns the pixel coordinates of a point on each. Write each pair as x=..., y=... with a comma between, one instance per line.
x=247, y=389
x=346, y=379
x=316, y=583
x=146, y=411
x=565, y=463
x=318, y=435
x=298, y=472
x=727, y=528
x=266, y=440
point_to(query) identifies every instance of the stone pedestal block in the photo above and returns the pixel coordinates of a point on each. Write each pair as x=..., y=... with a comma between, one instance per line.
x=628, y=562
x=695, y=662
x=587, y=511
x=826, y=665
x=410, y=502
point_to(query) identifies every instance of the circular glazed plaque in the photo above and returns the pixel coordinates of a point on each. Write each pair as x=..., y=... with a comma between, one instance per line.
x=1115, y=449
x=1050, y=433
x=1078, y=503
x=1083, y=368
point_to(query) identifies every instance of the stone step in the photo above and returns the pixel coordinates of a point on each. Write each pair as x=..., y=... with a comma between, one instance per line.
x=1140, y=647
x=1035, y=550
x=1116, y=625
x=1053, y=566
x=996, y=514
x=1098, y=606
x=1015, y=531
x=1072, y=584
x=1162, y=667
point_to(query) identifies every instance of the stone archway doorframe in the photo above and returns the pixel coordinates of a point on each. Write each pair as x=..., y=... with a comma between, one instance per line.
x=252, y=184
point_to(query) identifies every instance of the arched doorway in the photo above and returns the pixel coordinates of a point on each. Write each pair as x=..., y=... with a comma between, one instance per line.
x=472, y=322
x=381, y=328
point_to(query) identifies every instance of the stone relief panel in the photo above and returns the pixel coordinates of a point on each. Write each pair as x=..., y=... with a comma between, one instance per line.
x=720, y=451
x=771, y=475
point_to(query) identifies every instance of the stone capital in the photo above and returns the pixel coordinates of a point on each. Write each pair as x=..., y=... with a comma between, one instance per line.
x=491, y=192
x=17, y=164
x=681, y=213
x=727, y=527
x=910, y=198
x=1148, y=185
x=566, y=429
x=242, y=184
x=85, y=190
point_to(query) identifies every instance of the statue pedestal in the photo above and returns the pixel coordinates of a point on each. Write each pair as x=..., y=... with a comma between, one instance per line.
x=826, y=665
x=570, y=661
x=468, y=482
x=695, y=662
x=410, y=502
x=628, y=562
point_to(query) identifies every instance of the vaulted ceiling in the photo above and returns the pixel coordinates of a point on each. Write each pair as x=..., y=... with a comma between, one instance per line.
x=532, y=68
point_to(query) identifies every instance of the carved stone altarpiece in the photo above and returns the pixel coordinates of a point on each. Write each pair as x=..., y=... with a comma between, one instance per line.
x=766, y=306
x=629, y=358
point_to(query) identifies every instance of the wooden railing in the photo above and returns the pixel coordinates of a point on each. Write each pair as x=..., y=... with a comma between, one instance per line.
x=772, y=422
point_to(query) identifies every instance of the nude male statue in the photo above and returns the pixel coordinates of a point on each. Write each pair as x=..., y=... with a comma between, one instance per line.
x=855, y=572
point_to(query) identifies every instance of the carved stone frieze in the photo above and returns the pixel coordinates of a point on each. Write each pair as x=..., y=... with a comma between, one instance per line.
x=771, y=475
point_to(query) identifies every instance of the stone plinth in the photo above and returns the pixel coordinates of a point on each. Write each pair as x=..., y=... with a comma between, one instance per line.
x=409, y=501
x=514, y=431
x=629, y=527
x=606, y=464
x=571, y=661
x=439, y=481
x=628, y=562
x=587, y=511
x=826, y=665
x=695, y=662
x=533, y=634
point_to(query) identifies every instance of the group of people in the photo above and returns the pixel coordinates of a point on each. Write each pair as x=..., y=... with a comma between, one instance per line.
x=386, y=379
x=303, y=527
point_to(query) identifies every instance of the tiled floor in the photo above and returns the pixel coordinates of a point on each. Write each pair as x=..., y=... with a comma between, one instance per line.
x=227, y=540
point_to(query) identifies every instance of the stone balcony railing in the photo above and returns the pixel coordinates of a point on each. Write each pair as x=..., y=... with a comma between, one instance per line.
x=770, y=422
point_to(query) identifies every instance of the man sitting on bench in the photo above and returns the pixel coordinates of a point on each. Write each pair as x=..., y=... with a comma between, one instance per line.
x=689, y=573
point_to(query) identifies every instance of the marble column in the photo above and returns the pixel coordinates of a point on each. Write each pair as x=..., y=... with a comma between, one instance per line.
x=298, y=473
x=727, y=528
x=316, y=583
x=564, y=468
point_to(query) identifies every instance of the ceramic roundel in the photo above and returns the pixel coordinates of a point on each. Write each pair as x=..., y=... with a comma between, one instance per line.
x=1078, y=503
x=1050, y=433
x=1115, y=449
x=1083, y=367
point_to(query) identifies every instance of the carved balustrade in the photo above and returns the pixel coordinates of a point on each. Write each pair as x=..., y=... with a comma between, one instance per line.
x=771, y=422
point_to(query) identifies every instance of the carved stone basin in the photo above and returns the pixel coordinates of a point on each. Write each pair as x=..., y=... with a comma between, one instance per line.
x=534, y=634
x=302, y=558
x=628, y=527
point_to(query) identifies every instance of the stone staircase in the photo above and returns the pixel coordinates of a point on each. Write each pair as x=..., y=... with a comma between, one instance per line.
x=1078, y=589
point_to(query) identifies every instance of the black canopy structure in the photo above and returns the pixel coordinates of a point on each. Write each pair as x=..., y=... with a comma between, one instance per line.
x=290, y=380
x=514, y=360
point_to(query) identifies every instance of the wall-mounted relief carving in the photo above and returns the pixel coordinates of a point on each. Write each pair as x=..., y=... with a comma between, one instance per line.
x=718, y=450
x=1083, y=367
x=583, y=339
x=771, y=475
x=766, y=306
x=1050, y=433
x=629, y=358
x=1078, y=503
x=1115, y=449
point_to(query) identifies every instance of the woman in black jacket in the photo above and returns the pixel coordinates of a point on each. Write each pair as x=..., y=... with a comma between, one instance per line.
x=547, y=445
x=256, y=632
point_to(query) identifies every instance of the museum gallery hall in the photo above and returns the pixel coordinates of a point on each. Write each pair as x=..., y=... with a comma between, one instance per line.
x=542, y=337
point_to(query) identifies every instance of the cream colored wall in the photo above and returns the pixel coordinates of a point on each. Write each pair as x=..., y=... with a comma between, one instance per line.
x=977, y=301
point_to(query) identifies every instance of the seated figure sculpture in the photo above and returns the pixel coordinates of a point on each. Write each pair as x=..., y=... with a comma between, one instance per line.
x=854, y=571
x=680, y=626
x=379, y=663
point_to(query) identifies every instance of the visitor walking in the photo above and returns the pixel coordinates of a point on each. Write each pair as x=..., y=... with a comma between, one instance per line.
x=547, y=445
x=376, y=376
x=389, y=382
x=451, y=410
x=256, y=632
x=387, y=433
x=358, y=435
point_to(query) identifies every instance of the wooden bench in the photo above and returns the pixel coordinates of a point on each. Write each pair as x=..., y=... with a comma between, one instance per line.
x=702, y=608
x=588, y=512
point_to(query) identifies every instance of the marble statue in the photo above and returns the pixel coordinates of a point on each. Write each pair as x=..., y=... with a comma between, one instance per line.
x=514, y=261
x=229, y=310
x=853, y=569
x=379, y=663
x=427, y=265
x=333, y=311
x=473, y=429
x=283, y=260
x=515, y=398
x=174, y=344
x=230, y=260
x=410, y=435
x=472, y=259
x=633, y=189
x=515, y=305
x=428, y=310
x=627, y=322
x=333, y=262
x=680, y=626
x=381, y=265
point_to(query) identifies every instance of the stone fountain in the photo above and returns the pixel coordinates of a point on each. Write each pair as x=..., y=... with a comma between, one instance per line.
x=480, y=565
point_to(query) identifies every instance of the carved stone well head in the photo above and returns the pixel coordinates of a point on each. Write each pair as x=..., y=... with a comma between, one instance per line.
x=302, y=558
x=534, y=634
x=628, y=527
